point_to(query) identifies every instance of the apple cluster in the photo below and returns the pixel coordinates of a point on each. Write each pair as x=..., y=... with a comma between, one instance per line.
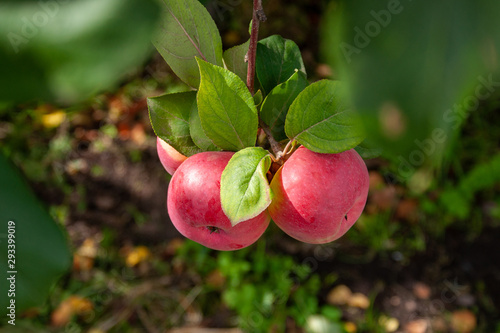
x=317, y=197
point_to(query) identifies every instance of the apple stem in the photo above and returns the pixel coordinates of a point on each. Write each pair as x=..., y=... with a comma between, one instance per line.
x=275, y=145
x=258, y=16
x=290, y=146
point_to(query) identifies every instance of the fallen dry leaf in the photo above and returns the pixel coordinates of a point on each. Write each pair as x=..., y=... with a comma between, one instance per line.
x=416, y=326
x=463, y=321
x=407, y=210
x=83, y=259
x=137, y=134
x=73, y=305
x=358, y=300
x=137, y=255
x=82, y=264
x=216, y=279
x=88, y=248
x=421, y=290
x=339, y=295
x=53, y=119
x=350, y=327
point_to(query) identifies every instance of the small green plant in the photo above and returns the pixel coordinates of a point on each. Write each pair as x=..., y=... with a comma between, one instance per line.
x=262, y=288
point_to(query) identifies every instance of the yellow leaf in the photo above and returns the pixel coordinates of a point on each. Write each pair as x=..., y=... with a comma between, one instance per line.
x=339, y=295
x=54, y=119
x=73, y=305
x=137, y=255
x=80, y=305
x=350, y=327
x=358, y=300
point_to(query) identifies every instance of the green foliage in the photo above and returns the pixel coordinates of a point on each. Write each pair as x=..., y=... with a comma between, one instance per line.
x=227, y=115
x=38, y=249
x=458, y=201
x=234, y=58
x=170, y=118
x=227, y=109
x=67, y=51
x=322, y=120
x=197, y=134
x=410, y=69
x=245, y=191
x=380, y=234
x=269, y=290
x=275, y=107
x=263, y=288
x=187, y=31
x=277, y=60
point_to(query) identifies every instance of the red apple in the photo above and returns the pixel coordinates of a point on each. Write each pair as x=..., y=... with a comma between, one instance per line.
x=318, y=197
x=170, y=158
x=195, y=209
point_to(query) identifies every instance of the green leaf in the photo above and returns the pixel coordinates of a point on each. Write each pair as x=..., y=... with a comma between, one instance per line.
x=41, y=250
x=169, y=116
x=275, y=107
x=321, y=119
x=226, y=107
x=410, y=69
x=367, y=151
x=458, y=200
x=277, y=60
x=187, y=31
x=234, y=58
x=257, y=97
x=197, y=134
x=66, y=51
x=245, y=191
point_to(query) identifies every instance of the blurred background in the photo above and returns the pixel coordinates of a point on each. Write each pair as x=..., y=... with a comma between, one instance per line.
x=80, y=177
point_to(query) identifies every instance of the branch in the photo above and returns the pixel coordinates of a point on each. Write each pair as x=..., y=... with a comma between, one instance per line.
x=258, y=16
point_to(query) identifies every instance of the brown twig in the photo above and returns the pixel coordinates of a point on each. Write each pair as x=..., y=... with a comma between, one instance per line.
x=258, y=16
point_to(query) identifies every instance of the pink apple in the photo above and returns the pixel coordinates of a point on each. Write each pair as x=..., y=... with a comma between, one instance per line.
x=318, y=197
x=195, y=208
x=170, y=158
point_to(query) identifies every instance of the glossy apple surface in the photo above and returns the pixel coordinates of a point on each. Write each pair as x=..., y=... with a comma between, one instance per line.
x=170, y=158
x=195, y=209
x=318, y=197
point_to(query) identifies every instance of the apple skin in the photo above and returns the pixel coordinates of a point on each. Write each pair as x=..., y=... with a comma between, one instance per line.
x=314, y=193
x=170, y=158
x=194, y=205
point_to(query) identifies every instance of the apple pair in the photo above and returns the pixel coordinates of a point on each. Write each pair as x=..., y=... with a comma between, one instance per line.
x=317, y=197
